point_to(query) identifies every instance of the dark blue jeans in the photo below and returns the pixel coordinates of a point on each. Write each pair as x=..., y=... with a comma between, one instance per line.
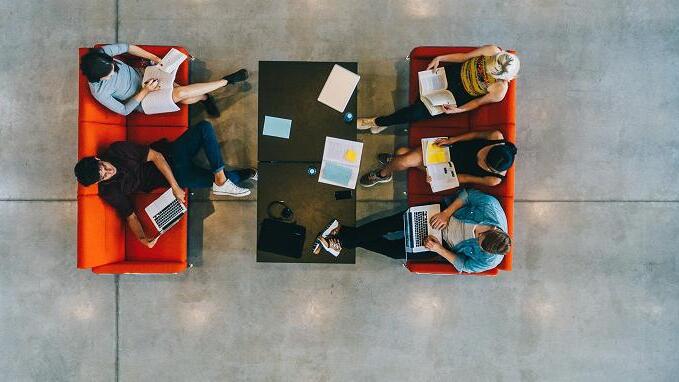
x=185, y=148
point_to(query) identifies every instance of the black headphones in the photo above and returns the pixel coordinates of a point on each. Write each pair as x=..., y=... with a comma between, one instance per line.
x=284, y=213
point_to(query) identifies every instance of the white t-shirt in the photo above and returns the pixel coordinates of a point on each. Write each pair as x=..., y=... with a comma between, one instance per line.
x=457, y=231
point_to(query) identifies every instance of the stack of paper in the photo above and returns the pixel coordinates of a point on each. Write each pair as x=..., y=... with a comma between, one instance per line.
x=440, y=168
x=341, y=162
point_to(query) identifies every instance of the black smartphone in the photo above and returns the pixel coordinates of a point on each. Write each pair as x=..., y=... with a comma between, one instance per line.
x=346, y=194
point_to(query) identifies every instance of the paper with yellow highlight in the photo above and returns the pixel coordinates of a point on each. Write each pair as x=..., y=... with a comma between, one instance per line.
x=436, y=154
x=350, y=156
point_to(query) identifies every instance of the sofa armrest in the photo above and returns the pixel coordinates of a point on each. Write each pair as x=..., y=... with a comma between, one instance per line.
x=442, y=269
x=128, y=267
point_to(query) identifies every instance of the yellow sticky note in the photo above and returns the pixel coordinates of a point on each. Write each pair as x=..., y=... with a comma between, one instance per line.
x=350, y=156
x=436, y=154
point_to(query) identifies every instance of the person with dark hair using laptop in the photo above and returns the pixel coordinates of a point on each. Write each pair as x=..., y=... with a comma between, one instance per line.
x=127, y=167
x=119, y=87
x=479, y=157
x=473, y=228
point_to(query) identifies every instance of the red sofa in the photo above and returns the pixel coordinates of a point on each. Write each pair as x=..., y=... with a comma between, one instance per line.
x=105, y=243
x=497, y=116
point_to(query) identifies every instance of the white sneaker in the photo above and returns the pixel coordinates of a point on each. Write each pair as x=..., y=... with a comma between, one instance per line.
x=365, y=123
x=229, y=189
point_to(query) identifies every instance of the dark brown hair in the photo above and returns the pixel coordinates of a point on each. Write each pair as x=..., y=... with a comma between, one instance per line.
x=495, y=241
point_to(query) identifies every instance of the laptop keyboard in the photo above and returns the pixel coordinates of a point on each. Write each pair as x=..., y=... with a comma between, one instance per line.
x=420, y=228
x=168, y=214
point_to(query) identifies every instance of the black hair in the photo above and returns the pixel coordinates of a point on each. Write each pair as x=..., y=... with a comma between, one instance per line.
x=87, y=171
x=501, y=157
x=96, y=64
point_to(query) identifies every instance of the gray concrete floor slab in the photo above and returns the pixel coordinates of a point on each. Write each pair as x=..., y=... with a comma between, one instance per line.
x=57, y=323
x=39, y=72
x=594, y=292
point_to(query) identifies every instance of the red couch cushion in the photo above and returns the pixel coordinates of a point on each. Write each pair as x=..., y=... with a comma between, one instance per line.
x=93, y=139
x=172, y=245
x=100, y=233
x=146, y=135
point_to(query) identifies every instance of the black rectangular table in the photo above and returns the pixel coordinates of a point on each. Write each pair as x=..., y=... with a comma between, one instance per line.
x=290, y=90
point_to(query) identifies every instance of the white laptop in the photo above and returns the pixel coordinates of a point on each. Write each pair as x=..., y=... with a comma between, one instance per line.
x=416, y=227
x=338, y=88
x=165, y=211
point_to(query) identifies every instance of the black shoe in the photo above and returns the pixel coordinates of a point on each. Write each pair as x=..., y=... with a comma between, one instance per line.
x=238, y=76
x=385, y=158
x=247, y=174
x=373, y=177
x=211, y=106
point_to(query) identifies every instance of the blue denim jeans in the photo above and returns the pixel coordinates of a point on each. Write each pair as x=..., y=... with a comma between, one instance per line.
x=185, y=148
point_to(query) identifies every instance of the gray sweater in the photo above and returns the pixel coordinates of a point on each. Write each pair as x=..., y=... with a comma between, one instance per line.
x=116, y=92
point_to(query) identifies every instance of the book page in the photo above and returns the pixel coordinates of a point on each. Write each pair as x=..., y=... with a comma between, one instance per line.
x=432, y=153
x=341, y=162
x=432, y=81
x=159, y=101
x=172, y=60
x=443, y=176
x=441, y=97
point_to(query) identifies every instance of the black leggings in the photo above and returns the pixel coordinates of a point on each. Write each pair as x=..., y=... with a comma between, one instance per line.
x=413, y=113
x=371, y=237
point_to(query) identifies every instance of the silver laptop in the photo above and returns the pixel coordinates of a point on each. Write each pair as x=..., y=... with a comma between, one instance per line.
x=165, y=211
x=416, y=227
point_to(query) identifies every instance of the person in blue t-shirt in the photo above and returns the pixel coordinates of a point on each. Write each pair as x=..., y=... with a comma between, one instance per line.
x=473, y=228
x=119, y=87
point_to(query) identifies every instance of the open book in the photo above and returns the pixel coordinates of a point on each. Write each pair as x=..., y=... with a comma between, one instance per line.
x=439, y=167
x=160, y=101
x=341, y=162
x=434, y=90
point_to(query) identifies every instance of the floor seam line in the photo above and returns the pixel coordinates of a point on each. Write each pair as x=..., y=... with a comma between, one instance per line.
x=117, y=328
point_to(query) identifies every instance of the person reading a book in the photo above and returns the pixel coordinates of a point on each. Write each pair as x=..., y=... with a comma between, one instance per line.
x=473, y=225
x=119, y=87
x=479, y=157
x=475, y=78
x=126, y=167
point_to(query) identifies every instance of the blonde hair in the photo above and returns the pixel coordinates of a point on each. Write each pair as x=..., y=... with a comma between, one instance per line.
x=505, y=66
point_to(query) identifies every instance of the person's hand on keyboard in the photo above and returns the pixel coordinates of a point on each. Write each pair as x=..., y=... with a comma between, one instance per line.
x=432, y=244
x=440, y=220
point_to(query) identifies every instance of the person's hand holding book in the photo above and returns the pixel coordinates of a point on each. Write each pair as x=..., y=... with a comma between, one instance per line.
x=434, y=64
x=449, y=109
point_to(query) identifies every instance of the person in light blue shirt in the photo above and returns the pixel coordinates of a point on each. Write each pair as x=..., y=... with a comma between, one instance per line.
x=119, y=87
x=473, y=228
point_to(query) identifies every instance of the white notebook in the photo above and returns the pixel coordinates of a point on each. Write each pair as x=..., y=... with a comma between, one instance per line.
x=338, y=88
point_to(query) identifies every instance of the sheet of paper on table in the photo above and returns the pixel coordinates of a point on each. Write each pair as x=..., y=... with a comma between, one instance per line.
x=341, y=162
x=277, y=127
x=338, y=88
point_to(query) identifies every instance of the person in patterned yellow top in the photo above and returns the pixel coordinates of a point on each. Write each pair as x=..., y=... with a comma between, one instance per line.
x=475, y=78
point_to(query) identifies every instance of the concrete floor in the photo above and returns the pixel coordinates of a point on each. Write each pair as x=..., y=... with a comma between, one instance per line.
x=595, y=290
